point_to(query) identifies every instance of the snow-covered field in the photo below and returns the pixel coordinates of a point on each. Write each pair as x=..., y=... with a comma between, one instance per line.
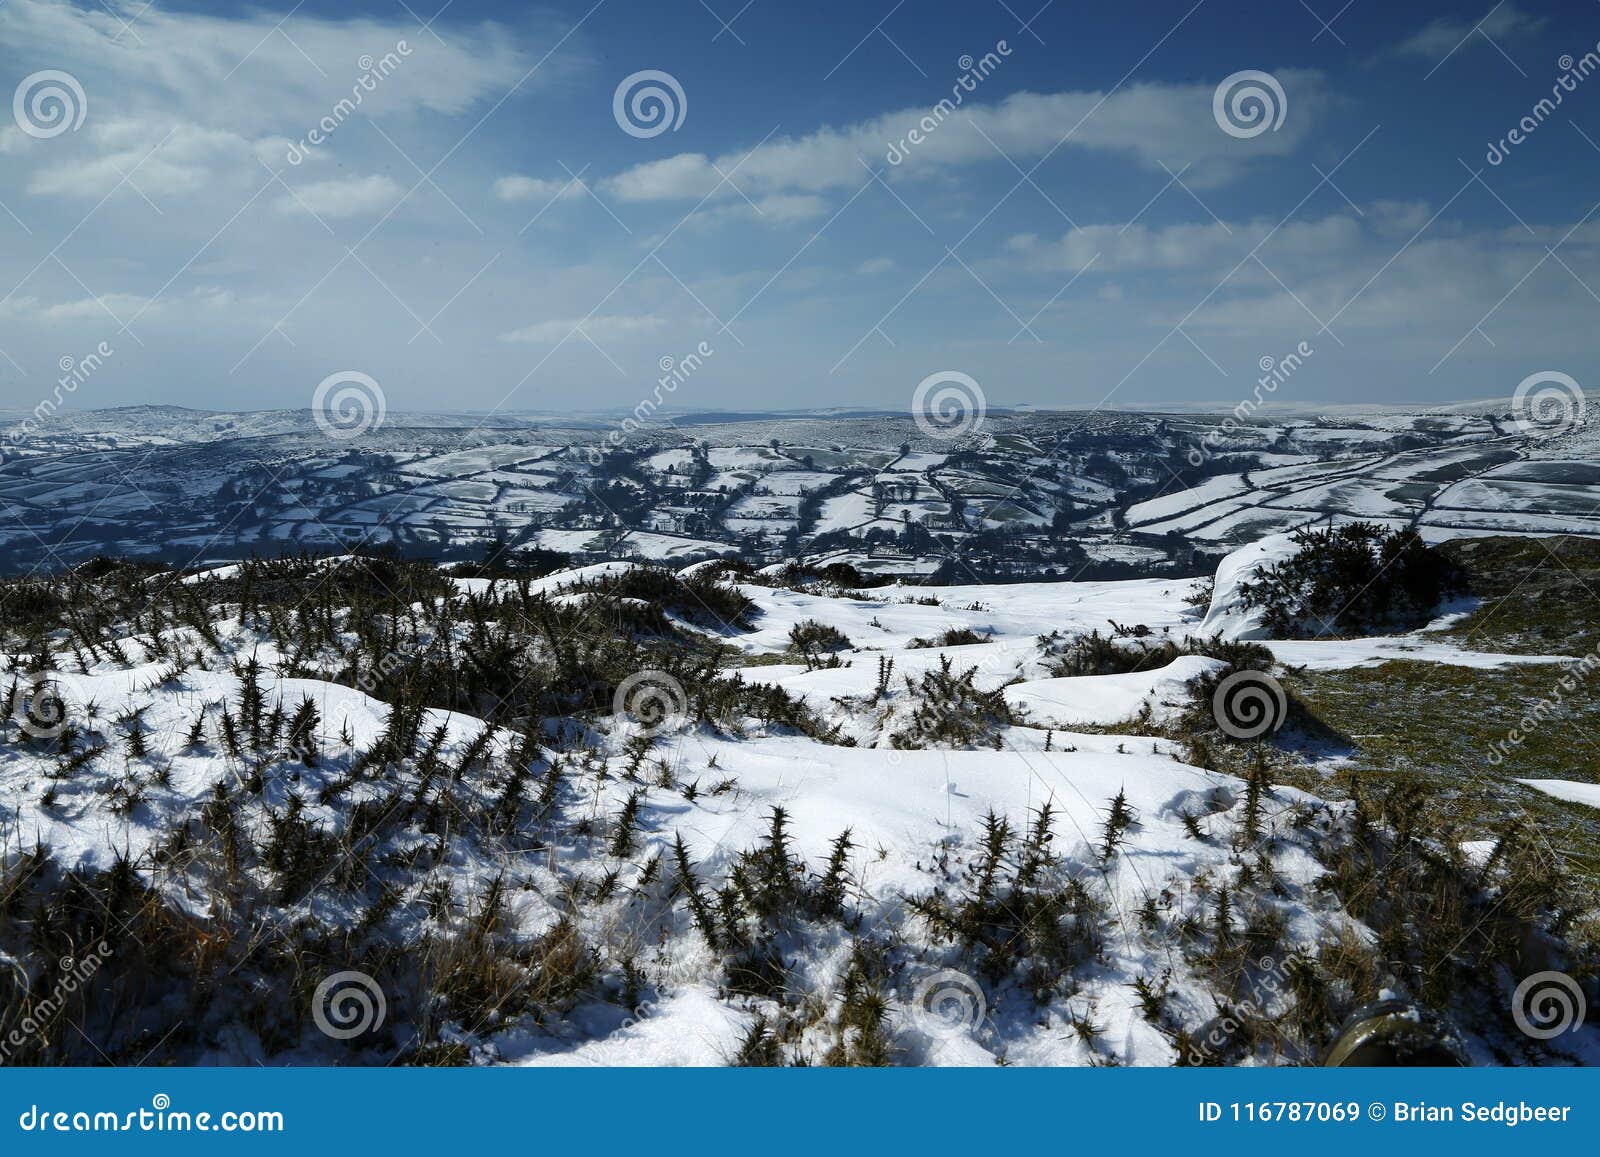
x=1117, y=493
x=1060, y=883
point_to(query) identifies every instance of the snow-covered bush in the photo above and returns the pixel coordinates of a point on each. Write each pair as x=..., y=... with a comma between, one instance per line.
x=1355, y=579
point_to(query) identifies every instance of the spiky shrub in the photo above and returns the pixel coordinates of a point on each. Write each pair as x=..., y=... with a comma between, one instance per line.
x=1097, y=654
x=951, y=637
x=1355, y=579
x=1021, y=910
x=1446, y=927
x=700, y=598
x=817, y=642
x=953, y=711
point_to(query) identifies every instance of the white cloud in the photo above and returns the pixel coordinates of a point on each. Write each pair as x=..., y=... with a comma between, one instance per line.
x=1209, y=249
x=777, y=209
x=683, y=177
x=103, y=307
x=259, y=72
x=786, y=208
x=875, y=265
x=343, y=197
x=275, y=151
x=1363, y=275
x=145, y=156
x=1154, y=124
x=1399, y=218
x=601, y=329
x=1445, y=35
x=517, y=187
x=125, y=306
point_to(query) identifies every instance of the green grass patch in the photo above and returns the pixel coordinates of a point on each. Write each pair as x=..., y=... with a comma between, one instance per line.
x=1539, y=595
x=1443, y=727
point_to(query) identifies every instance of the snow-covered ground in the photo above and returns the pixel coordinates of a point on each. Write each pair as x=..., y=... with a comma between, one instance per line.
x=915, y=812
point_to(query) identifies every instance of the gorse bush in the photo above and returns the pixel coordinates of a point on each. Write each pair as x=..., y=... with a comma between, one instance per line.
x=951, y=637
x=951, y=710
x=1352, y=580
x=1097, y=654
x=812, y=641
x=1019, y=907
x=700, y=598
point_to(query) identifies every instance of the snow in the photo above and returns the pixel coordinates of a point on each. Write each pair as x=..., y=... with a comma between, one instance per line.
x=1228, y=615
x=1572, y=791
x=665, y=547
x=1521, y=497
x=1109, y=699
x=1512, y=522
x=844, y=511
x=688, y=1028
x=793, y=482
x=1017, y=611
x=82, y=836
x=1169, y=505
x=549, y=584
x=1342, y=654
x=742, y=457
x=216, y=572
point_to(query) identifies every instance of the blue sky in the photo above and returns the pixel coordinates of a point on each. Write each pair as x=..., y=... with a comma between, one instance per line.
x=482, y=233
